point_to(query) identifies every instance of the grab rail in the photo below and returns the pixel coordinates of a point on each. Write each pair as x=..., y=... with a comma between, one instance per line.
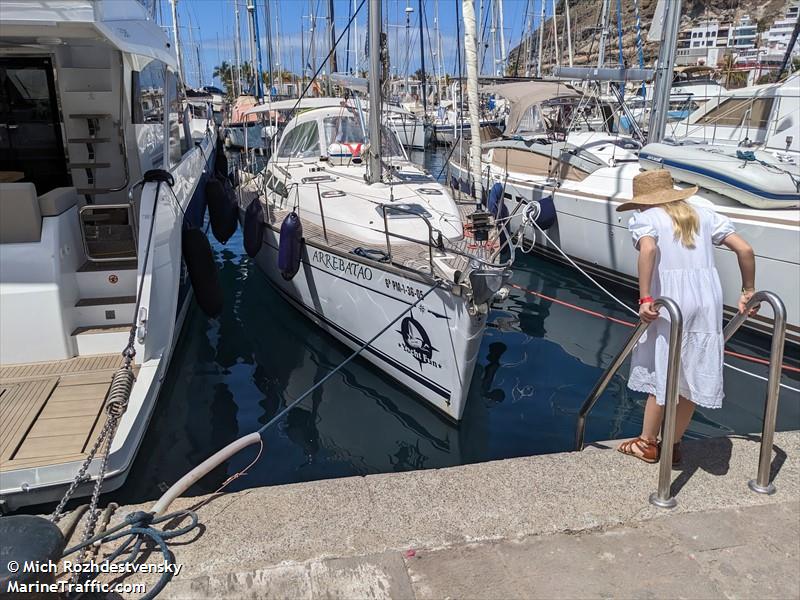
x=661, y=497
x=762, y=484
x=402, y=237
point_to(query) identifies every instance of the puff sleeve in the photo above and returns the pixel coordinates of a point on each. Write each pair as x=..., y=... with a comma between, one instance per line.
x=721, y=227
x=641, y=226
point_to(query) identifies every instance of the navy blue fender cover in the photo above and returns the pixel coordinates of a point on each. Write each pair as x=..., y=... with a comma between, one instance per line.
x=547, y=213
x=222, y=209
x=202, y=271
x=253, y=228
x=290, y=248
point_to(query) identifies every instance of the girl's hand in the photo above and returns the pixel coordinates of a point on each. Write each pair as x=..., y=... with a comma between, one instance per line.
x=647, y=313
x=744, y=299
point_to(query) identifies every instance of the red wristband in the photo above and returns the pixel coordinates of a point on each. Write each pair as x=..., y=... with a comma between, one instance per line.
x=645, y=300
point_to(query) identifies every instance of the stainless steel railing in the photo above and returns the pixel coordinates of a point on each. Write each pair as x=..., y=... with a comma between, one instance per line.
x=762, y=483
x=661, y=497
x=430, y=243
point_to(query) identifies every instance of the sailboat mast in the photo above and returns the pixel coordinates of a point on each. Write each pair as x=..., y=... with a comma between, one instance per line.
x=663, y=79
x=176, y=36
x=270, y=64
x=333, y=65
x=601, y=52
x=237, y=41
x=569, y=32
x=502, y=37
x=471, y=55
x=375, y=70
x=555, y=36
x=541, y=38
x=422, y=60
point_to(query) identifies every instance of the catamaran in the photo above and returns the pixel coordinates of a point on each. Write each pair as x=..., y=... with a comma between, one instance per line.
x=90, y=243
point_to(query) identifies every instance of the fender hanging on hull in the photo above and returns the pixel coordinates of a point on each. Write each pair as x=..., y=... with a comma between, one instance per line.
x=290, y=247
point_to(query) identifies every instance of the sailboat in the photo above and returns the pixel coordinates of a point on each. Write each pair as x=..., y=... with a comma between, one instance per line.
x=352, y=234
x=90, y=242
x=578, y=182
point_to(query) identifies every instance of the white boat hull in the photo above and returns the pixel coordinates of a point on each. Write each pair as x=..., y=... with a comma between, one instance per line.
x=590, y=231
x=432, y=350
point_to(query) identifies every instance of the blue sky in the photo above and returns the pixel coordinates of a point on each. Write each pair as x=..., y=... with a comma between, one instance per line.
x=209, y=25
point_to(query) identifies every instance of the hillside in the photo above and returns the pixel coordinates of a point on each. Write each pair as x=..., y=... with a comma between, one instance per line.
x=585, y=15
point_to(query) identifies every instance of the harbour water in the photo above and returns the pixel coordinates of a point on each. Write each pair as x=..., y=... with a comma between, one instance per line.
x=538, y=361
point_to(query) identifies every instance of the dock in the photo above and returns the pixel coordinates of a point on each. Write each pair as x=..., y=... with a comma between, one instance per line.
x=558, y=525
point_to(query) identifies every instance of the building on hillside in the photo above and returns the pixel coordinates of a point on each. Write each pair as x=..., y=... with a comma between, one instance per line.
x=776, y=39
x=703, y=44
x=743, y=34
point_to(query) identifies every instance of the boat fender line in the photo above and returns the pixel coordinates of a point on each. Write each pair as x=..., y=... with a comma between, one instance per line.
x=253, y=228
x=372, y=254
x=290, y=246
x=202, y=270
x=222, y=209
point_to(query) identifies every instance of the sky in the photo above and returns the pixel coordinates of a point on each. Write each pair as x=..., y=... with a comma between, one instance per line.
x=207, y=29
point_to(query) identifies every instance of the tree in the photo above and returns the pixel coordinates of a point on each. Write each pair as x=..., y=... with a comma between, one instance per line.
x=226, y=73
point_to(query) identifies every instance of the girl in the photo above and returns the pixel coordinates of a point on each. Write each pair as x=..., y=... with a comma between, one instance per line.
x=676, y=259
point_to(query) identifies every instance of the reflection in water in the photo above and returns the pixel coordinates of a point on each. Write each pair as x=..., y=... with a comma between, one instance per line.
x=537, y=363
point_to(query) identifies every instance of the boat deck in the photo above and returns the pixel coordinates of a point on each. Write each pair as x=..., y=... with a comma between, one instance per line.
x=410, y=255
x=52, y=411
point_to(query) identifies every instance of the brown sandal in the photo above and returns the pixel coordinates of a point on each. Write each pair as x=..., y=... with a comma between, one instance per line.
x=648, y=449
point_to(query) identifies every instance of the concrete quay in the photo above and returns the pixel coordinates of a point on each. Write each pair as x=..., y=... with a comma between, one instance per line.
x=571, y=525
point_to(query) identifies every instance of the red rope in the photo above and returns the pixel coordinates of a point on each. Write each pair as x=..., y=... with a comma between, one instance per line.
x=746, y=357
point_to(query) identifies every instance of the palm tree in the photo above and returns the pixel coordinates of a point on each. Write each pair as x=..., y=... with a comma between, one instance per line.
x=226, y=73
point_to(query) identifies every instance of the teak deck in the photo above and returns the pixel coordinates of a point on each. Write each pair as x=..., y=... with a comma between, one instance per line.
x=51, y=412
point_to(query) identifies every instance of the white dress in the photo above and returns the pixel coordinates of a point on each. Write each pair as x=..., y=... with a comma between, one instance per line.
x=687, y=276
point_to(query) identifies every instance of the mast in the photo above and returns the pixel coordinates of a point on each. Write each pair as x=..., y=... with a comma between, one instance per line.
x=176, y=36
x=408, y=12
x=374, y=91
x=493, y=31
x=357, y=47
x=601, y=51
x=256, y=49
x=237, y=88
x=569, y=33
x=541, y=39
x=663, y=79
x=270, y=64
x=502, y=37
x=471, y=54
x=555, y=35
x=422, y=60
x=333, y=66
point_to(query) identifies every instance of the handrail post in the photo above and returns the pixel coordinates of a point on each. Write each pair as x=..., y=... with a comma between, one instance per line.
x=322, y=215
x=386, y=231
x=762, y=483
x=662, y=498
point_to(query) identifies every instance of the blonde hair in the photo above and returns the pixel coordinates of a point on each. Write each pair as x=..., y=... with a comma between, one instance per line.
x=685, y=222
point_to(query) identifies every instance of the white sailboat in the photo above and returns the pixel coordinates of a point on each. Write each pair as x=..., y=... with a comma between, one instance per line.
x=90, y=102
x=577, y=184
x=379, y=237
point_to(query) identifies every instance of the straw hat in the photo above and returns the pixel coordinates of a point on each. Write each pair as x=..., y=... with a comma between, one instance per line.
x=652, y=188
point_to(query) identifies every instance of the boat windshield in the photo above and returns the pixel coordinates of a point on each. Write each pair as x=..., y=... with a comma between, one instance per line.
x=346, y=129
x=531, y=122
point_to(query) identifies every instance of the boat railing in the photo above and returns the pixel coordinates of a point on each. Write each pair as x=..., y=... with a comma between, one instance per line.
x=661, y=497
x=762, y=484
x=429, y=243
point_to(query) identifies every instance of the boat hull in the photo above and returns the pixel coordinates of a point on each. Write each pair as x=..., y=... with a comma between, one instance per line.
x=432, y=350
x=590, y=231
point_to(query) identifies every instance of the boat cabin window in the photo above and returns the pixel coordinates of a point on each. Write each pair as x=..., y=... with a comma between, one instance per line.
x=148, y=93
x=731, y=112
x=301, y=142
x=343, y=130
x=531, y=122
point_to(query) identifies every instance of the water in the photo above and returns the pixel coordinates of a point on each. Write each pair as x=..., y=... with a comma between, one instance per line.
x=538, y=361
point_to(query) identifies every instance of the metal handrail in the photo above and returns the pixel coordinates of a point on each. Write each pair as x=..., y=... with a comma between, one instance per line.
x=402, y=237
x=661, y=497
x=762, y=483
